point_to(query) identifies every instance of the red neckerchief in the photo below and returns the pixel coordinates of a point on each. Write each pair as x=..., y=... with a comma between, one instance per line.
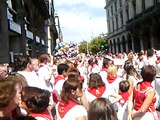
x=125, y=96
x=111, y=79
x=158, y=61
x=104, y=69
x=41, y=65
x=58, y=78
x=144, y=85
x=82, y=78
x=63, y=107
x=98, y=92
x=44, y=114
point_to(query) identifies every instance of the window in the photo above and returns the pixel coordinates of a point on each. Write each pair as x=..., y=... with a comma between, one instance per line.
x=121, y=16
x=134, y=6
x=143, y=5
x=115, y=4
x=108, y=13
x=0, y=22
x=112, y=10
x=156, y=1
x=127, y=12
x=109, y=26
x=113, y=24
x=11, y=10
x=116, y=21
x=120, y=3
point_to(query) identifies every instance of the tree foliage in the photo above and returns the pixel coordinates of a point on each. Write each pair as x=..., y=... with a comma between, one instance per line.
x=83, y=47
x=95, y=45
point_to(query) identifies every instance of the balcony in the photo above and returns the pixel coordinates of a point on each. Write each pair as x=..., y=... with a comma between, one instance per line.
x=37, y=39
x=29, y=34
x=42, y=42
x=14, y=27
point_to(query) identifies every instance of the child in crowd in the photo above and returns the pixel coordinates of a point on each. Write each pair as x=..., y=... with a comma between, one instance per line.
x=121, y=99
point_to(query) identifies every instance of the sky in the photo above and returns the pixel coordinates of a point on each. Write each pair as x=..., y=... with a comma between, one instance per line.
x=81, y=19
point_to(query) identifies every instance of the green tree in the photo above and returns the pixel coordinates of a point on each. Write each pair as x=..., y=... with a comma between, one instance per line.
x=98, y=44
x=83, y=47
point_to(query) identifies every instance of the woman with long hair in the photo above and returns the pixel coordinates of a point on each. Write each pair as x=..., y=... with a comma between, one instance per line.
x=132, y=76
x=69, y=107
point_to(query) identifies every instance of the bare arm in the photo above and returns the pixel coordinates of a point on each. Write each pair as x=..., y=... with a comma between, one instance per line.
x=131, y=86
x=117, y=97
x=130, y=100
x=146, y=103
x=130, y=106
x=84, y=101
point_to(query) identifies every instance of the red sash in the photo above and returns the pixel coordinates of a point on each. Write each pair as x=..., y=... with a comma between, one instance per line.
x=97, y=92
x=63, y=107
x=58, y=78
x=43, y=115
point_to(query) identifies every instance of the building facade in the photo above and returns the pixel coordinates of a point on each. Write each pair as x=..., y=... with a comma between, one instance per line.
x=58, y=27
x=24, y=28
x=133, y=25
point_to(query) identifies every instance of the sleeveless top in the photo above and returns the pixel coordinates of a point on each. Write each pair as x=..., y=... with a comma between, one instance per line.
x=140, y=96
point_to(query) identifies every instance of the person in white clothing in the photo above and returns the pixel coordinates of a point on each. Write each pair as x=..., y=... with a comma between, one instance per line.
x=36, y=101
x=24, y=66
x=97, y=88
x=151, y=58
x=44, y=71
x=62, y=70
x=103, y=72
x=69, y=107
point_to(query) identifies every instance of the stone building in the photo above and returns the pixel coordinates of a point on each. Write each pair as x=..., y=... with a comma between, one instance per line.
x=133, y=25
x=24, y=28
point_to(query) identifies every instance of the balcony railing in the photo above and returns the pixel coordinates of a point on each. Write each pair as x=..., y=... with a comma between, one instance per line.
x=42, y=42
x=29, y=34
x=14, y=27
x=37, y=39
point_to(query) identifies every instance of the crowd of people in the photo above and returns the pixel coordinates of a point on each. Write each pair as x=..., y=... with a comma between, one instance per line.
x=84, y=87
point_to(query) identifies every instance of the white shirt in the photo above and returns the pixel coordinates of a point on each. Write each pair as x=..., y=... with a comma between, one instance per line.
x=58, y=86
x=32, y=79
x=45, y=74
x=73, y=113
x=90, y=97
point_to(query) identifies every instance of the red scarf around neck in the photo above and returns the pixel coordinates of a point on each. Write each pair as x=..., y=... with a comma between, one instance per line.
x=97, y=92
x=63, y=107
x=111, y=79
